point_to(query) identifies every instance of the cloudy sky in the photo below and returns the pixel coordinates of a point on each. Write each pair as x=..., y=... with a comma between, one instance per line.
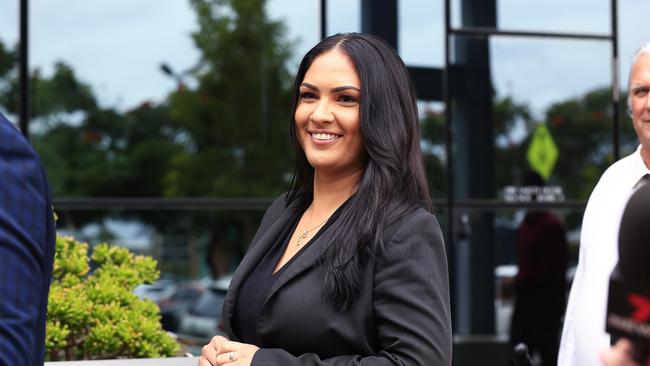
x=118, y=45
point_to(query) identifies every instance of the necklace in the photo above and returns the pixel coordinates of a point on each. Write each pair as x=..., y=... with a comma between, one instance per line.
x=306, y=232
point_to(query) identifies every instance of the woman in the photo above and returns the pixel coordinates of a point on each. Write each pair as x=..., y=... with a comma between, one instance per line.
x=348, y=267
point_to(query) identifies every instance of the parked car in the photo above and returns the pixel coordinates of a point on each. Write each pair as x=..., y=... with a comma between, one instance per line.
x=173, y=307
x=203, y=318
x=158, y=291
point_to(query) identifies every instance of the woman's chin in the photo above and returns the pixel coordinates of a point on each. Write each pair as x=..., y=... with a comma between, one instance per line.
x=321, y=165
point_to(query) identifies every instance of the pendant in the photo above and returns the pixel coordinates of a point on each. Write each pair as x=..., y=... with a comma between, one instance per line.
x=302, y=236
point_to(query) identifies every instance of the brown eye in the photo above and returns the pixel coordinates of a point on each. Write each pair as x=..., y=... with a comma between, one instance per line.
x=640, y=92
x=307, y=95
x=348, y=99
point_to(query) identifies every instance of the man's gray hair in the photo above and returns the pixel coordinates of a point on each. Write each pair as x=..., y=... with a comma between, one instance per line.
x=643, y=50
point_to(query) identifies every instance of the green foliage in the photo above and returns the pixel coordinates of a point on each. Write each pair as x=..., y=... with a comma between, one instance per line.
x=432, y=126
x=224, y=136
x=96, y=315
x=510, y=154
x=237, y=118
x=582, y=130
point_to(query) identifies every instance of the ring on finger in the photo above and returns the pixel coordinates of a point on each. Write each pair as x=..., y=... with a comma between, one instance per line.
x=231, y=356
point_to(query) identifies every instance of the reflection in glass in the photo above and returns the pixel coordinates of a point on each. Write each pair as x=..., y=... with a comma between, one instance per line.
x=421, y=32
x=564, y=85
x=502, y=260
x=9, y=27
x=581, y=16
x=220, y=132
x=186, y=244
x=343, y=16
x=432, y=142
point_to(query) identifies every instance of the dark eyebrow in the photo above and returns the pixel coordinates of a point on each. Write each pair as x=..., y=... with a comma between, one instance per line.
x=312, y=87
x=344, y=88
x=635, y=90
x=333, y=90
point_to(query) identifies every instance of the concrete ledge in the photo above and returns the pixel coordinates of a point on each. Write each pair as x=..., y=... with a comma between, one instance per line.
x=470, y=350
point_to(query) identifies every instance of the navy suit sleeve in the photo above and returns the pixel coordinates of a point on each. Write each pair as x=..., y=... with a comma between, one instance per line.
x=410, y=304
x=26, y=250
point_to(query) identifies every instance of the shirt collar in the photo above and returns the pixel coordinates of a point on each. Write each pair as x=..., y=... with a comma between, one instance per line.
x=638, y=169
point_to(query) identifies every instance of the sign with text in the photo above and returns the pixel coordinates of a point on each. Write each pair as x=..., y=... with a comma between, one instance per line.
x=533, y=194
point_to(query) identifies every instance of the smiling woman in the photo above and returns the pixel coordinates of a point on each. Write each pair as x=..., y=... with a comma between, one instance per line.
x=327, y=115
x=348, y=267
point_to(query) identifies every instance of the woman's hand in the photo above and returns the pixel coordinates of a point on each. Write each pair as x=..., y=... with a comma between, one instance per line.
x=618, y=355
x=221, y=351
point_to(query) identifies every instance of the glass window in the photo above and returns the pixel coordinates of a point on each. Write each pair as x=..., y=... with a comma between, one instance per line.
x=485, y=261
x=187, y=244
x=562, y=85
x=421, y=31
x=583, y=16
x=301, y=20
x=343, y=16
x=9, y=34
x=433, y=144
x=174, y=100
x=120, y=49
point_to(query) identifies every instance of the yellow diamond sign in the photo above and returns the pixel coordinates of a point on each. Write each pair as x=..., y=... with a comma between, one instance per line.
x=542, y=152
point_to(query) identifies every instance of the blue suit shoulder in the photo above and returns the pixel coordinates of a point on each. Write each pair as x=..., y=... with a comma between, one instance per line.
x=27, y=238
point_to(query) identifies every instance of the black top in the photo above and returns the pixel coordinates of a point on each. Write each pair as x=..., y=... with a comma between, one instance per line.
x=257, y=285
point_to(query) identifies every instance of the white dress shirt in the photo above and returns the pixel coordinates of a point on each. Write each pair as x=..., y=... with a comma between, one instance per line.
x=584, y=336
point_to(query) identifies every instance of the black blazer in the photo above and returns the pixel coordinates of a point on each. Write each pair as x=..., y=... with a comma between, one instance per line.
x=401, y=317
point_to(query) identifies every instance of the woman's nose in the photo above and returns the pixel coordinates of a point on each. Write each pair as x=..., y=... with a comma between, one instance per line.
x=322, y=113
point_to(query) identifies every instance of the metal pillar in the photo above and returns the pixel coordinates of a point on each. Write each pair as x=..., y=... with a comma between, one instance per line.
x=379, y=17
x=616, y=117
x=473, y=166
x=323, y=19
x=24, y=102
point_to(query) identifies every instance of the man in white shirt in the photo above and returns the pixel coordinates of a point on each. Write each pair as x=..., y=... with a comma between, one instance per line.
x=583, y=336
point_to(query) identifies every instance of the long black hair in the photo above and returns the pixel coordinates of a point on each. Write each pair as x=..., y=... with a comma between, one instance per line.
x=394, y=179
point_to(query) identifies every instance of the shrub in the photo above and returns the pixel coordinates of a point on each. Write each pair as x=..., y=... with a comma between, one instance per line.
x=96, y=315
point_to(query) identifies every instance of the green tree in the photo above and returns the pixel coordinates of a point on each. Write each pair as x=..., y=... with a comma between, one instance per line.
x=236, y=120
x=89, y=150
x=510, y=150
x=582, y=129
x=432, y=125
x=227, y=137
x=510, y=159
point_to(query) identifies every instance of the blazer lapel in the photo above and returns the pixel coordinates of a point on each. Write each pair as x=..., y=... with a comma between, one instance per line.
x=305, y=260
x=254, y=255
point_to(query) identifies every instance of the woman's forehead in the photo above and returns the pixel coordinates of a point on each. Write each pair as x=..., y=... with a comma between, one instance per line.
x=332, y=66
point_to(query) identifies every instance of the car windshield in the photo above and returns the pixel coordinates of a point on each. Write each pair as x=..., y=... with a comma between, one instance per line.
x=186, y=294
x=209, y=304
